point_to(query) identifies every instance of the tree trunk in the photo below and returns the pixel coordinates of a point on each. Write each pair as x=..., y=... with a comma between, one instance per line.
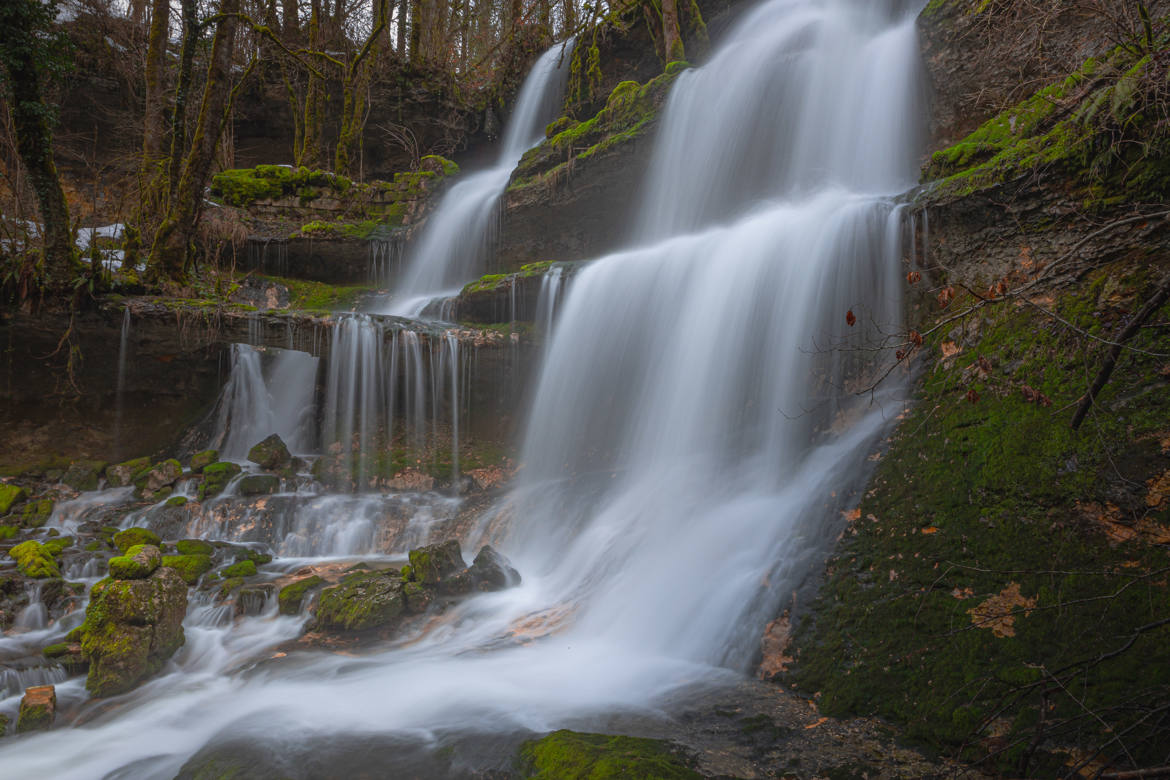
x=290, y=24
x=154, y=126
x=568, y=16
x=169, y=254
x=671, y=38
x=190, y=13
x=34, y=143
x=315, y=101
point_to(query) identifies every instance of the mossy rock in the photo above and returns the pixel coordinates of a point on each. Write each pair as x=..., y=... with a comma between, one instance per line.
x=84, y=474
x=189, y=567
x=271, y=454
x=418, y=597
x=34, y=560
x=132, y=537
x=259, y=485
x=194, y=547
x=8, y=532
x=216, y=477
x=176, y=501
x=131, y=628
x=139, y=562
x=122, y=474
x=201, y=460
x=38, y=708
x=363, y=601
x=154, y=483
x=430, y=565
x=244, y=568
x=439, y=165
x=55, y=545
x=571, y=755
x=37, y=513
x=292, y=595
x=10, y=495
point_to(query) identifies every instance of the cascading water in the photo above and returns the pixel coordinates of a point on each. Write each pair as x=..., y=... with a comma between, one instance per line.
x=693, y=422
x=254, y=406
x=462, y=228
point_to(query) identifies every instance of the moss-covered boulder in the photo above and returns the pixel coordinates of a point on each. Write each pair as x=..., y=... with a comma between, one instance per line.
x=139, y=562
x=244, y=568
x=194, y=547
x=176, y=501
x=432, y=564
x=38, y=707
x=154, y=482
x=84, y=474
x=271, y=454
x=292, y=596
x=68, y=654
x=131, y=628
x=10, y=495
x=132, y=537
x=122, y=474
x=37, y=513
x=570, y=755
x=189, y=567
x=201, y=460
x=216, y=477
x=364, y=600
x=259, y=485
x=34, y=560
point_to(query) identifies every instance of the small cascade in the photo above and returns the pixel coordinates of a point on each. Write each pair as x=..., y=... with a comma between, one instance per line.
x=119, y=393
x=552, y=285
x=268, y=256
x=14, y=681
x=35, y=615
x=255, y=403
x=385, y=260
x=458, y=235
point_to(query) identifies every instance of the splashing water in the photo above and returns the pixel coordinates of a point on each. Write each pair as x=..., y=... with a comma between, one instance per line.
x=693, y=421
x=462, y=228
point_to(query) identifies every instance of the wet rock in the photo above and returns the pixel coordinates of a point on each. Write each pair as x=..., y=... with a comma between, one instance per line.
x=244, y=568
x=194, y=547
x=34, y=560
x=132, y=537
x=189, y=567
x=201, y=460
x=216, y=477
x=364, y=600
x=38, y=707
x=139, y=562
x=131, y=628
x=10, y=495
x=68, y=654
x=153, y=482
x=418, y=597
x=122, y=474
x=271, y=454
x=84, y=474
x=431, y=564
x=36, y=513
x=492, y=571
x=251, y=599
x=564, y=754
x=292, y=596
x=176, y=501
x=259, y=485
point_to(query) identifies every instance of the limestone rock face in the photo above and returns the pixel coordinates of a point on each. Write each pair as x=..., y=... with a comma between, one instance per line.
x=131, y=628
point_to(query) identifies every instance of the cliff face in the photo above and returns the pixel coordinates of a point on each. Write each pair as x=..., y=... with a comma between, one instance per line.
x=1000, y=591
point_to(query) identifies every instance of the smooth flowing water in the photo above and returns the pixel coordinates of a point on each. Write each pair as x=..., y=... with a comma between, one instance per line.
x=457, y=236
x=696, y=429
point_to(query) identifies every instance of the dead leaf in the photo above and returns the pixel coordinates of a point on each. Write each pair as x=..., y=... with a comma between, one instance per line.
x=930, y=529
x=850, y=319
x=999, y=612
x=949, y=349
x=816, y=723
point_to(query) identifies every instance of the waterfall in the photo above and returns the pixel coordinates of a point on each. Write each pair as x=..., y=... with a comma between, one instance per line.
x=459, y=233
x=119, y=392
x=254, y=404
x=703, y=412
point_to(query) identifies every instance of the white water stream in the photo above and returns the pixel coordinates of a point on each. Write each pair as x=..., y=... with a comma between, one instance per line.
x=693, y=432
x=459, y=233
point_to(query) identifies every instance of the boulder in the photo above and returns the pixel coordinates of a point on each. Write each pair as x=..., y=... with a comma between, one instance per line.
x=364, y=600
x=259, y=485
x=431, y=564
x=271, y=454
x=201, y=460
x=139, y=562
x=84, y=474
x=10, y=495
x=189, y=567
x=251, y=599
x=292, y=596
x=492, y=571
x=154, y=482
x=38, y=707
x=131, y=628
x=122, y=474
x=194, y=547
x=36, y=513
x=216, y=477
x=244, y=568
x=132, y=537
x=34, y=560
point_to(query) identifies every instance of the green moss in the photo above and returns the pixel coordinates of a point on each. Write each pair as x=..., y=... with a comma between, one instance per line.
x=8, y=531
x=1000, y=502
x=194, y=547
x=216, y=477
x=124, y=540
x=36, y=513
x=307, y=295
x=189, y=567
x=364, y=600
x=569, y=755
x=9, y=496
x=176, y=501
x=243, y=186
x=439, y=165
x=292, y=595
x=201, y=460
x=245, y=568
x=56, y=651
x=34, y=560
x=55, y=546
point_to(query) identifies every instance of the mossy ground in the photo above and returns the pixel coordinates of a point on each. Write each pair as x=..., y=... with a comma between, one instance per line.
x=1000, y=587
x=570, y=755
x=305, y=295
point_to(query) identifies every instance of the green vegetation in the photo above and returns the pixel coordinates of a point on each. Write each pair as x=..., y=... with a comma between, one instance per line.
x=190, y=567
x=320, y=297
x=245, y=568
x=1005, y=575
x=1106, y=127
x=9, y=496
x=570, y=755
x=36, y=513
x=132, y=537
x=292, y=595
x=34, y=560
x=242, y=186
x=216, y=477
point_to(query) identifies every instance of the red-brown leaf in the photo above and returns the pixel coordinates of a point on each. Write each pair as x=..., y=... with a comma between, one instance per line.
x=850, y=319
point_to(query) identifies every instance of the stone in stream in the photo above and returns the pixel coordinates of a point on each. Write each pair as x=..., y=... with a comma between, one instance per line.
x=38, y=707
x=122, y=474
x=432, y=564
x=139, y=562
x=131, y=628
x=156, y=481
x=84, y=474
x=259, y=485
x=292, y=596
x=132, y=537
x=216, y=477
x=201, y=460
x=271, y=454
x=10, y=495
x=492, y=571
x=363, y=600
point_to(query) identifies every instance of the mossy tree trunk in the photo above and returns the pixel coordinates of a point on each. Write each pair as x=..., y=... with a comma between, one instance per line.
x=154, y=129
x=169, y=254
x=357, y=76
x=316, y=101
x=190, y=15
x=672, y=42
x=23, y=37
